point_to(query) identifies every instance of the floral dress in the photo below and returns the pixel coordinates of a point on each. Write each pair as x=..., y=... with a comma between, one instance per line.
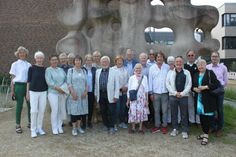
x=138, y=111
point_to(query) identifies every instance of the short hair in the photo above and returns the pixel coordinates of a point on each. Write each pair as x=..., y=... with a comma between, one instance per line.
x=78, y=57
x=143, y=54
x=170, y=59
x=201, y=61
x=138, y=65
x=216, y=52
x=190, y=50
x=53, y=55
x=39, y=54
x=105, y=57
x=88, y=56
x=21, y=49
x=97, y=52
x=119, y=57
x=63, y=55
x=71, y=55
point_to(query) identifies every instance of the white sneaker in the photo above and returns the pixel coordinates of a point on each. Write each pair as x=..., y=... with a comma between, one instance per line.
x=41, y=132
x=33, y=134
x=60, y=130
x=55, y=132
x=74, y=132
x=115, y=128
x=174, y=132
x=80, y=130
x=184, y=135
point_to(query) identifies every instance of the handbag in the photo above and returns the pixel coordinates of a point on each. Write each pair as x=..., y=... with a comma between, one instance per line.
x=219, y=90
x=133, y=93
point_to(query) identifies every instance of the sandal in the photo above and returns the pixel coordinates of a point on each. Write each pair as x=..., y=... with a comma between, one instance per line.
x=29, y=125
x=204, y=141
x=200, y=137
x=18, y=130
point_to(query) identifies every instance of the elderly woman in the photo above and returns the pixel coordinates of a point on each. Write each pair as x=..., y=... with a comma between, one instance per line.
x=71, y=57
x=91, y=73
x=64, y=62
x=19, y=76
x=37, y=94
x=78, y=99
x=205, y=103
x=121, y=109
x=57, y=90
x=138, y=109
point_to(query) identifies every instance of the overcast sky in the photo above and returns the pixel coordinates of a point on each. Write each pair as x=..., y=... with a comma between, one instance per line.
x=216, y=3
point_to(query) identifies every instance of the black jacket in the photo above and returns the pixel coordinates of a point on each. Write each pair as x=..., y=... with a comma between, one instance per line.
x=208, y=100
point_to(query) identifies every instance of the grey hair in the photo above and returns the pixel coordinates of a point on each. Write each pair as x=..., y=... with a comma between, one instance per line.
x=71, y=55
x=143, y=54
x=105, y=57
x=39, y=54
x=201, y=61
x=170, y=59
x=63, y=55
x=96, y=52
x=88, y=56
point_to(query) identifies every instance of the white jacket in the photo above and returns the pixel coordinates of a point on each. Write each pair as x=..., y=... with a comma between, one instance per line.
x=170, y=83
x=112, y=85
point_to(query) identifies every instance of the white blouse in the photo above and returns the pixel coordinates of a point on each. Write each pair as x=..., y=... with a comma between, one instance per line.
x=133, y=84
x=20, y=70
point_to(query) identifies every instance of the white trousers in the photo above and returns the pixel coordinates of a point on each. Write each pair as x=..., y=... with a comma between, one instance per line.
x=38, y=101
x=58, y=110
x=193, y=117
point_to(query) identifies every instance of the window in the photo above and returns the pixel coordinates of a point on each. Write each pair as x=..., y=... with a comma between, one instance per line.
x=229, y=19
x=229, y=43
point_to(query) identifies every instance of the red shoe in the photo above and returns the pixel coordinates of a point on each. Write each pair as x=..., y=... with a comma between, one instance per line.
x=164, y=130
x=155, y=130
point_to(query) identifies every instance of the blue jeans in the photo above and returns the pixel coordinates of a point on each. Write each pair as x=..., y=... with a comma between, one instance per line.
x=219, y=120
x=121, y=109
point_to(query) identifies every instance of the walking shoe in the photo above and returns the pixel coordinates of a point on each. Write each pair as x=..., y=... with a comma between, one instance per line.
x=74, y=132
x=33, y=134
x=155, y=130
x=115, y=128
x=164, y=130
x=112, y=131
x=41, y=132
x=184, y=135
x=55, y=132
x=174, y=132
x=123, y=125
x=60, y=131
x=80, y=130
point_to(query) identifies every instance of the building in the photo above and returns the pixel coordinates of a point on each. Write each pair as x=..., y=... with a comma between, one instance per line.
x=225, y=31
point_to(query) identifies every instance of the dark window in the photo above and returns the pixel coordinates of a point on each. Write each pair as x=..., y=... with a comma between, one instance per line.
x=229, y=19
x=229, y=43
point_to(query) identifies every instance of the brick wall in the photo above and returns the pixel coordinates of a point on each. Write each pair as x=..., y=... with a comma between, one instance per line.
x=30, y=23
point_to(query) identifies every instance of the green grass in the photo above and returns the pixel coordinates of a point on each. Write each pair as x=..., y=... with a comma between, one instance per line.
x=230, y=93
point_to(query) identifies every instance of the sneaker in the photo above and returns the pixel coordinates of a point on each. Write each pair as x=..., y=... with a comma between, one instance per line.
x=55, y=132
x=80, y=130
x=123, y=125
x=60, y=131
x=155, y=130
x=33, y=134
x=184, y=135
x=115, y=128
x=112, y=131
x=164, y=130
x=41, y=132
x=74, y=132
x=174, y=132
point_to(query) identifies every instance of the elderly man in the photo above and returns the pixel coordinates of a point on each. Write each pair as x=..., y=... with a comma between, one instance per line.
x=159, y=92
x=192, y=68
x=151, y=57
x=179, y=83
x=221, y=72
x=130, y=62
x=143, y=61
x=96, y=59
x=107, y=92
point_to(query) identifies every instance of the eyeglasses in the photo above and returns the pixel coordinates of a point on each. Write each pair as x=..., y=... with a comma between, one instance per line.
x=190, y=55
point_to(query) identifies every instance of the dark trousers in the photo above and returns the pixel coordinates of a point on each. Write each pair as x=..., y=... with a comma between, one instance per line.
x=151, y=109
x=206, y=123
x=182, y=103
x=108, y=111
x=121, y=109
x=219, y=120
x=91, y=100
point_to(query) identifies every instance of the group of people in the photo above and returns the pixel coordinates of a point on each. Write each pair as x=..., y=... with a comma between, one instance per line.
x=152, y=90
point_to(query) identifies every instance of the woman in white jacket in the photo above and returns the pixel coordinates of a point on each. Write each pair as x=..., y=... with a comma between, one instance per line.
x=138, y=109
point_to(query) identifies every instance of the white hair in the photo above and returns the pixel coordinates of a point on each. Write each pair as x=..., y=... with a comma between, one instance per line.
x=71, y=55
x=39, y=54
x=200, y=61
x=143, y=54
x=96, y=53
x=63, y=55
x=170, y=59
x=105, y=57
